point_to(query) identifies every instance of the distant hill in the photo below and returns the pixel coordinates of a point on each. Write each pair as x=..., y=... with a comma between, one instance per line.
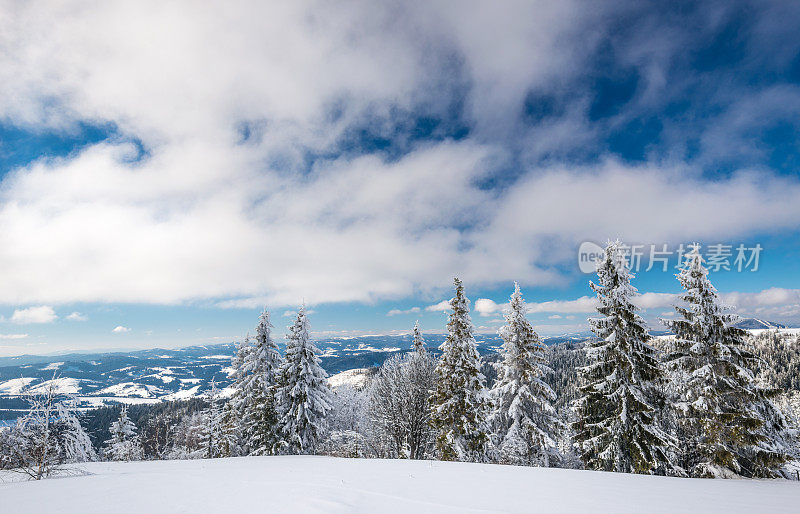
x=756, y=324
x=150, y=376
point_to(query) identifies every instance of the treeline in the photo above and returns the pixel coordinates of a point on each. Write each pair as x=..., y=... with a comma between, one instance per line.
x=703, y=403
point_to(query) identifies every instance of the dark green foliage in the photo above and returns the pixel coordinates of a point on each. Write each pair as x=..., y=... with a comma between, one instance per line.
x=153, y=422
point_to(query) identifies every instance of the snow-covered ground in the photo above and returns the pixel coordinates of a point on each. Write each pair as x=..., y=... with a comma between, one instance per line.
x=326, y=484
x=15, y=385
x=357, y=378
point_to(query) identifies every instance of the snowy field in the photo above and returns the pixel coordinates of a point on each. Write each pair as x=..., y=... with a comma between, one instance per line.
x=325, y=484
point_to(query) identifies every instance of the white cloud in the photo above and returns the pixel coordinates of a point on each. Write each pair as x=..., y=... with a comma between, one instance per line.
x=579, y=305
x=31, y=315
x=774, y=304
x=13, y=336
x=354, y=228
x=398, y=312
x=119, y=329
x=77, y=316
x=487, y=307
x=442, y=306
x=554, y=316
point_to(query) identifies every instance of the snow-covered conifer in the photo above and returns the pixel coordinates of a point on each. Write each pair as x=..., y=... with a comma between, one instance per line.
x=124, y=443
x=236, y=416
x=251, y=415
x=214, y=435
x=525, y=426
x=458, y=403
x=303, y=393
x=417, y=342
x=74, y=442
x=261, y=369
x=616, y=427
x=728, y=425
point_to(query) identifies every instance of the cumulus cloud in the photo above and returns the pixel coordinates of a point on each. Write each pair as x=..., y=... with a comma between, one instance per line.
x=254, y=189
x=33, y=315
x=119, y=329
x=442, y=306
x=77, y=316
x=774, y=304
x=486, y=307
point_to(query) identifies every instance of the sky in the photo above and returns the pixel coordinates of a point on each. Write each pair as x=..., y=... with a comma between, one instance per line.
x=167, y=169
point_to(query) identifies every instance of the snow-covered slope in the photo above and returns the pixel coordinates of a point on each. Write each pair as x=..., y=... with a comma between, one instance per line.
x=325, y=484
x=758, y=324
x=357, y=378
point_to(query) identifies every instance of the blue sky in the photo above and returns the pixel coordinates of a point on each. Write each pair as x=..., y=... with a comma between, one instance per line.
x=168, y=170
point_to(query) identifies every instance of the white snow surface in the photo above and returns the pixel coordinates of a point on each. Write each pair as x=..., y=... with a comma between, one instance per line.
x=183, y=394
x=63, y=385
x=130, y=389
x=329, y=485
x=15, y=385
x=353, y=377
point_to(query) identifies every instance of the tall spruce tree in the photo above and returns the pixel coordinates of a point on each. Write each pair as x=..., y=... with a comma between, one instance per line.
x=525, y=426
x=728, y=425
x=304, y=395
x=213, y=435
x=236, y=416
x=417, y=342
x=616, y=427
x=458, y=403
x=261, y=371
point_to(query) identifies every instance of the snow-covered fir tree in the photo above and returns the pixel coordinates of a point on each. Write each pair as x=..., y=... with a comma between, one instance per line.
x=616, y=427
x=261, y=369
x=304, y=397
x=417, y=341
x=74, y=442
x=214, y=436
x=236, y=411
x=231, y=437
x=525, y=425
x=458, y=403
x=727, y=424
x=124, y=444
